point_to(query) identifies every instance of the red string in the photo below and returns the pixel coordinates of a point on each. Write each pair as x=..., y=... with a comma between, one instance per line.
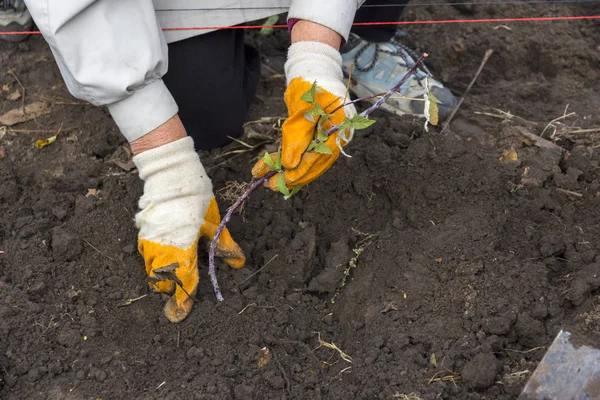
x=424, y=22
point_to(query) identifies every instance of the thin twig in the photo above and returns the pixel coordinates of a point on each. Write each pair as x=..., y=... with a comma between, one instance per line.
x=224, y=221
x=41, y=130
x=591, y=130
x=540, y=141
x=129, y=302
x=93, y=247
x=551, y=123
x=486, y=57
x=12, y=72
x=261, y=181
x=61, y=101
x=570, y=192
x=245, y=308
x=260, y=269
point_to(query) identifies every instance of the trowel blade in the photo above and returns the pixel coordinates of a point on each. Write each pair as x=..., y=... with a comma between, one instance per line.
x=567, y=372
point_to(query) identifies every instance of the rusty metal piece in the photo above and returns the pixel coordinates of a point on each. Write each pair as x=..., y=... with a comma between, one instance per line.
x=567, y=371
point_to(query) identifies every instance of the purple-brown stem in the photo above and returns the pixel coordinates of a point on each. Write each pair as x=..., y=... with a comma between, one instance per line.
x=224, y=221
x=259, y=182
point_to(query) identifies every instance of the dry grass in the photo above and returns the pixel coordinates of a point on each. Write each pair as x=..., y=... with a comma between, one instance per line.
x=232, y=191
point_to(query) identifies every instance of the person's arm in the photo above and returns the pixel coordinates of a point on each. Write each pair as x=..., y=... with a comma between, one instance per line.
x=337, y=15
x=317, y=30
x=111, y=53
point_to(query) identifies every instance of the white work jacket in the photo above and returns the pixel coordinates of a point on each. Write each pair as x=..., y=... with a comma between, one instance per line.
x=114, y=53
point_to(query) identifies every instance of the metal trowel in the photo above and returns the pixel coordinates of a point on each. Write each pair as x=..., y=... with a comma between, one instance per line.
x=569, y=371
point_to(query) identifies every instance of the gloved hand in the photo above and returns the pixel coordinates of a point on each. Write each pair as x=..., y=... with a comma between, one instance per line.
x=309, y=62
x=177, y=208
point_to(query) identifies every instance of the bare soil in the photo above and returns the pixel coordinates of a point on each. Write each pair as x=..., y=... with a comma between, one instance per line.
x=460, y=268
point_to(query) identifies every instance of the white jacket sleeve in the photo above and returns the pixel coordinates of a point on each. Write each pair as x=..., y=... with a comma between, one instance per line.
x=110, y=53
x=334, y=14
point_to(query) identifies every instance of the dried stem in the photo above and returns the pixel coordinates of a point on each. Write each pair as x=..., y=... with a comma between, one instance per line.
x=224, y=221
x=486, y=57
x=260, y=182
x=12, y=72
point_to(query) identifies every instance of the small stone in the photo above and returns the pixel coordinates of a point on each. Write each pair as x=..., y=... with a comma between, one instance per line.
x=243, y=392
x=212, y=389
x=551, y=246
x=479, y=373
x=251, y=293
x=106, y=360
x=37, y=288
x=216, y=362
x=100, y=375
x=293, y=297
x=33, y=375
x=115, y=295
x=59, y=212
x=230, y=373
x=80, y=375
x=195, y=353
x=55, y=368
x=275, y=381
x=129, y=249
x=68, y=337
x=114, y=281
x=369, y=360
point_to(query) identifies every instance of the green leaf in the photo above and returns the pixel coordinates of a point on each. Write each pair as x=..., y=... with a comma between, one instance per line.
x=322, y=136
x=309, y=96
x=343, y=126
x=278, y=160
x=266, y=26
x=322, y=148
x=360, y=122
x=281, y=186
x=295, y=190
x=433, y=360
x=269, y=163
x=313, y=112
x=324, y=117
x=312, y=145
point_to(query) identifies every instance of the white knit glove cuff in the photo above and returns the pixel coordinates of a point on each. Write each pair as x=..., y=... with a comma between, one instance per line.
x=177, y=192
x=316, y=61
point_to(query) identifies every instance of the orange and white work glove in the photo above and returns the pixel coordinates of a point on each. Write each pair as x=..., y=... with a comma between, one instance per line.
x=307, y=63
x=177, y=208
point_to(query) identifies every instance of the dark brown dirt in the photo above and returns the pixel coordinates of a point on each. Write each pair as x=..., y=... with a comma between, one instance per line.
x=464, y=268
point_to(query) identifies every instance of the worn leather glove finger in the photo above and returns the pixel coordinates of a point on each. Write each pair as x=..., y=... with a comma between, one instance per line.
x=172, y=270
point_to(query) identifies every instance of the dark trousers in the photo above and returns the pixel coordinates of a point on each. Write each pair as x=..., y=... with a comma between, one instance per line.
x=213, y=77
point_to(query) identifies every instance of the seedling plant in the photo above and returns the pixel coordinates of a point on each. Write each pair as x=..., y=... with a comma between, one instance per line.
x=342, y=131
